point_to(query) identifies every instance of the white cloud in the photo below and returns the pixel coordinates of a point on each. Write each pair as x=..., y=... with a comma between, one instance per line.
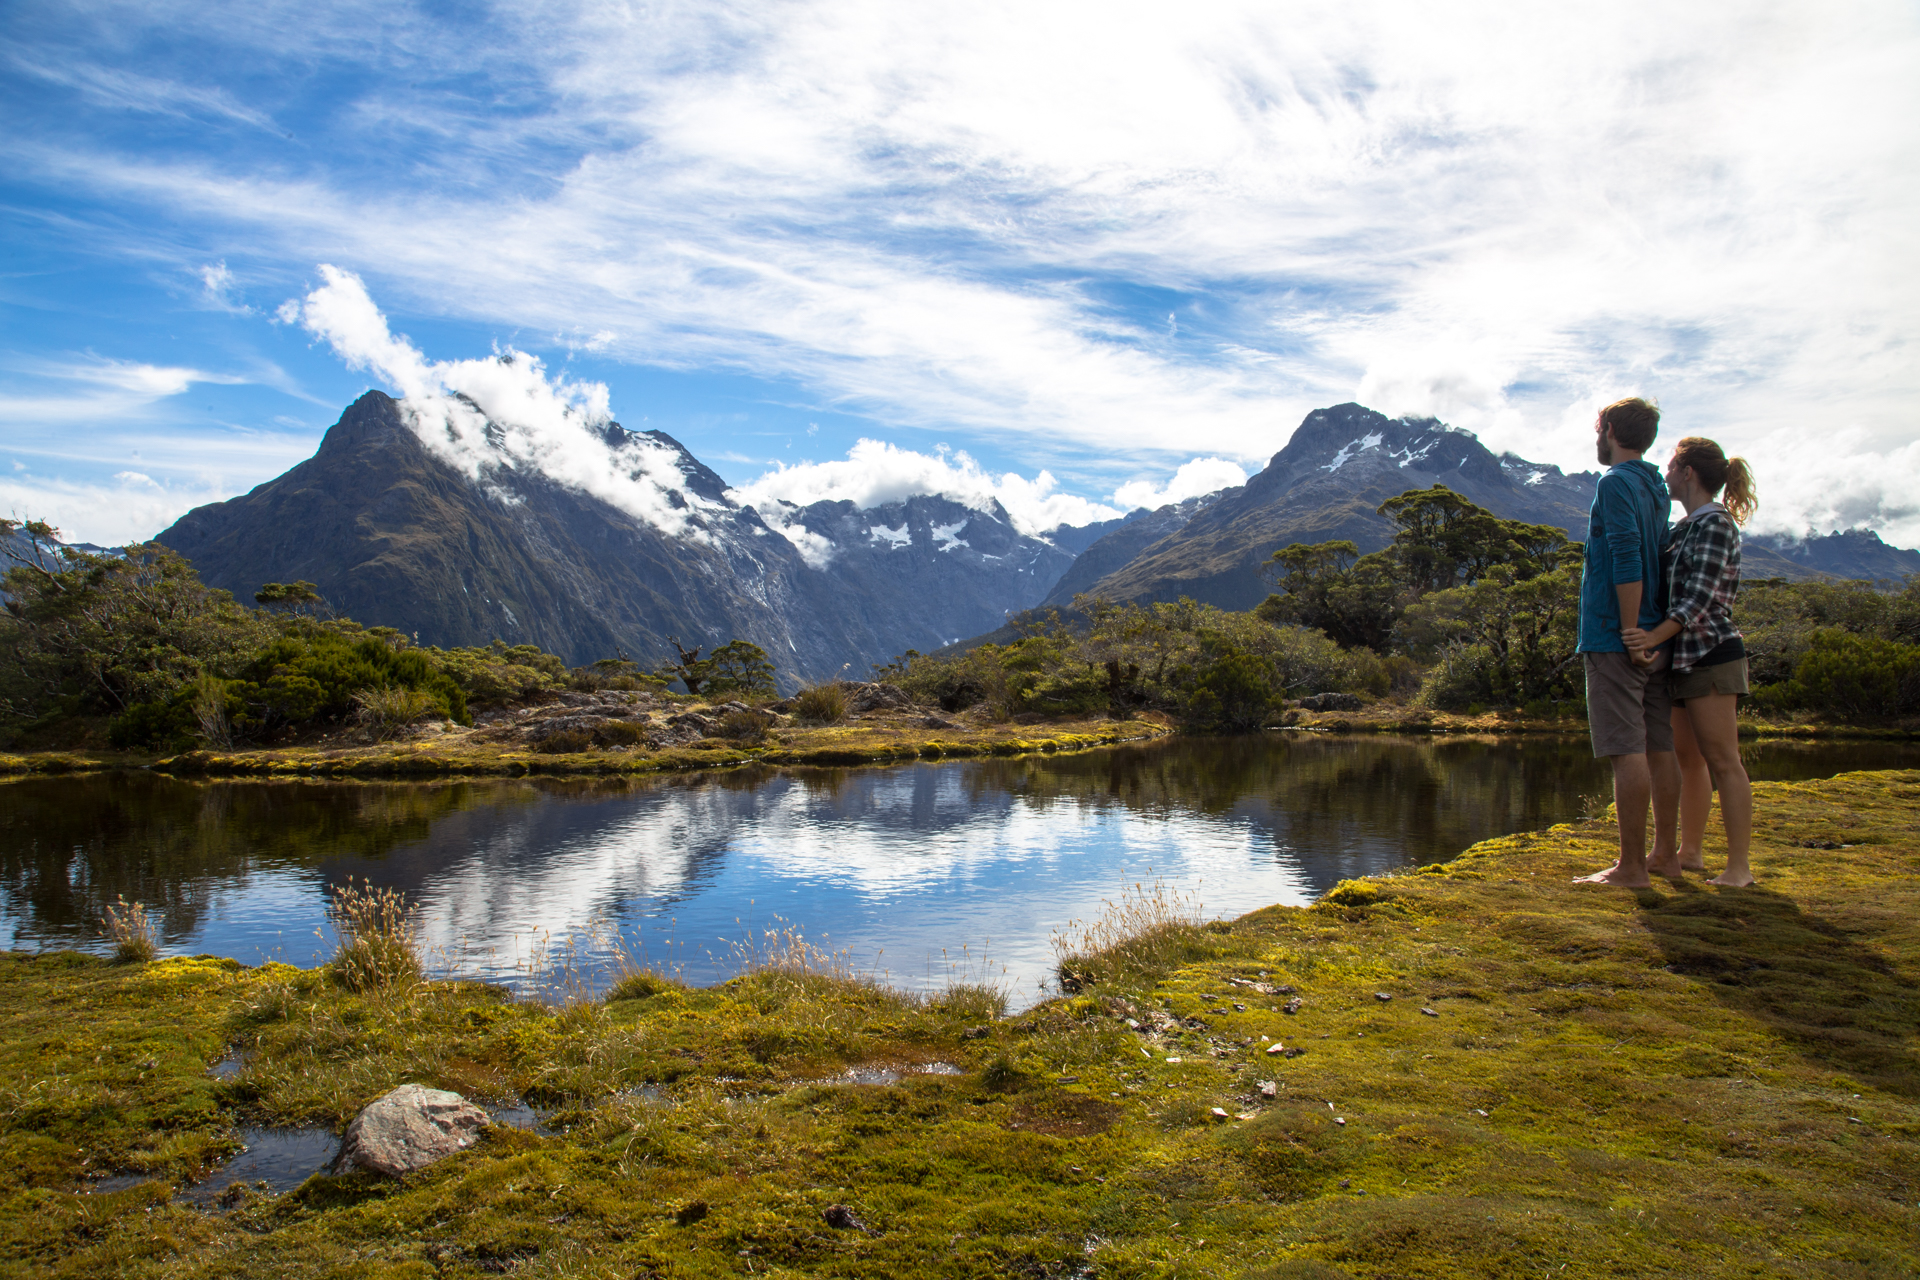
x=1200, y=476
x=487, y=416
x=1837, y=482
x=875, y=473
x=111, y=389
x=129, y=509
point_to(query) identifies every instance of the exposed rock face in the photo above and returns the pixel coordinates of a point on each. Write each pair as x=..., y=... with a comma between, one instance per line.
x=408, y=1129
x=393, y=535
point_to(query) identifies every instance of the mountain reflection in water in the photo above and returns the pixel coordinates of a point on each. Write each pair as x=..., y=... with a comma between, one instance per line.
x=890, y=865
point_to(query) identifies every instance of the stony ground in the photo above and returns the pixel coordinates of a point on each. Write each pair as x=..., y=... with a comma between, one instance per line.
x=1493, y=1073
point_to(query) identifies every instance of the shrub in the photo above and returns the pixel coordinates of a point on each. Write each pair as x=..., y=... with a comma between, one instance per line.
x=1461, y=678
x=376, y=942
x=564, y=742
x=821, y=703
x=132, y=928
x=620, y=733
x=745, y=726
x=1233, y=694
x=1855, y=675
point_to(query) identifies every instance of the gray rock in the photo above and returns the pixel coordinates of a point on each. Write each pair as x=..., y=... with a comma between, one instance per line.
x=863, y=698
x=408, y=1129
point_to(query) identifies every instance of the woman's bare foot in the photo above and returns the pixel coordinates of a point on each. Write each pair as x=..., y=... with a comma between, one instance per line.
x=1733, y=879
x=1618, y=877
x=1692, y=861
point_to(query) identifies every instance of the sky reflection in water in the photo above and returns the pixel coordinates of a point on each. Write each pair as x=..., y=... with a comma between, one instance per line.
x=889, y=866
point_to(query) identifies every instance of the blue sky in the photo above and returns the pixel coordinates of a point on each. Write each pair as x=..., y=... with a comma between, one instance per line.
x=1098, y=241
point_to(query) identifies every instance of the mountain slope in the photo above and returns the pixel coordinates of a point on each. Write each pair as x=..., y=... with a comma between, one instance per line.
x=1340, y=465
x=394, y=535
x=1343, y=462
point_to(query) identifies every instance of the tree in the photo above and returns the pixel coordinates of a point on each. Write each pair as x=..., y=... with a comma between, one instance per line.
x=1441, y=542
x=100, y=634
x=301, y=598
x=740, y=666
x=1502, y=639
x=1331, y=587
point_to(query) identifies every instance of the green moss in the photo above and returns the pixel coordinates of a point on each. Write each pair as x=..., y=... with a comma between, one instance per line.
x=1682, y=1080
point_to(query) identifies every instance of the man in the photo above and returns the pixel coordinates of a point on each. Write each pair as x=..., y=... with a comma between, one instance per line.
x=1627, y=703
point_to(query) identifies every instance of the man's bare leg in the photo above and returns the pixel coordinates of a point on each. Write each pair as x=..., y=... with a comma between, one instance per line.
x=1696, y=792
x=1632, y=790
x=1665, y=777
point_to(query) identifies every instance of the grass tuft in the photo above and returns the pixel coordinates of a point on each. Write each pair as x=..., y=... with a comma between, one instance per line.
x=383, y=714
x=1149, y=930
x=134, y=931
x=378, y=945
x=821, y=704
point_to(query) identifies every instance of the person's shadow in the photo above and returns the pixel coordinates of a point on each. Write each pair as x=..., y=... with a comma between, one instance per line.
x=1820, y=984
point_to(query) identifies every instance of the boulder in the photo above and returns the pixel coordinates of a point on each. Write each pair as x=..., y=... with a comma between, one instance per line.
x=863, y=698
x=408, y=1129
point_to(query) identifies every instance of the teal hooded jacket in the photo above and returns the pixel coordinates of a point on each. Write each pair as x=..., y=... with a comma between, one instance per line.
x=1626, y=528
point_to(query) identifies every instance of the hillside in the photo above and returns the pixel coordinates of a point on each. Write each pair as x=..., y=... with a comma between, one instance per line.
x=1326, y=484
x=392, y=535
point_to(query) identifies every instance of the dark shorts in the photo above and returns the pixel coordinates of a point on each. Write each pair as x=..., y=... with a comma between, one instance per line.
x=1701, y=682
x=1629, y=709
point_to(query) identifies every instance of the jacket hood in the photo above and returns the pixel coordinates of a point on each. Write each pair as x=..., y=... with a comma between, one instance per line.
x=1646, y=475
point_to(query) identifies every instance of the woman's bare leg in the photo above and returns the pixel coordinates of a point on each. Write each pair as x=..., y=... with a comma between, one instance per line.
x=1696, y=791
x=1718, y=735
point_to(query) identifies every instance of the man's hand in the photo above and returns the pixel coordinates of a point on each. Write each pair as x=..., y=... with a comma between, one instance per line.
x=1635, y=639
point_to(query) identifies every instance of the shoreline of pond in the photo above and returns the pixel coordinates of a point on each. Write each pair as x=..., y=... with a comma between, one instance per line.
x=837, y=745
x=1452, y=1097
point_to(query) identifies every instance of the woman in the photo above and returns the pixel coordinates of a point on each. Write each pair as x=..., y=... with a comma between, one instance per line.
x=1709, y=669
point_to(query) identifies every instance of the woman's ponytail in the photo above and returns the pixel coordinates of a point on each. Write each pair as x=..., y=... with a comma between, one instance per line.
x=1716, y=470
x=1739, y=498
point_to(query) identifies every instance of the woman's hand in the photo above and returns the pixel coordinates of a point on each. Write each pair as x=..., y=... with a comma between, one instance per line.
x=1635, y=639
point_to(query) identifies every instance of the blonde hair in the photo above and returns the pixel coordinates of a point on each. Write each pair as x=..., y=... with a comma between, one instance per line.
x=1716, y=472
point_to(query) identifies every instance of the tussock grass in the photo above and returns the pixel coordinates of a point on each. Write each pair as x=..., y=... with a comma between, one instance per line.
x=134, y=931
x=821, y=704
x=1137, y=937
x=383, y=714
x=376, y=941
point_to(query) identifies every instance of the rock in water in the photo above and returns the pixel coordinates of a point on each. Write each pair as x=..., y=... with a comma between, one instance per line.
x=408, y=1129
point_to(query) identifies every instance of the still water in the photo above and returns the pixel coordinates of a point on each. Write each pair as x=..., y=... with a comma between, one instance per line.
x=919, y=873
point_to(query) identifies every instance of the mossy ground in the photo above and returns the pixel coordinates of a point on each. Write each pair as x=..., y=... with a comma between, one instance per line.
x=1680, y=1081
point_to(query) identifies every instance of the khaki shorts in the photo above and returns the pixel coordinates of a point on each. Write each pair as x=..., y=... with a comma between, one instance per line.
x=1629, y=711
x=1701, y=682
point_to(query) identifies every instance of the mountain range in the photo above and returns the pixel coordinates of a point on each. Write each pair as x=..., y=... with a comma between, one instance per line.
x=395, y=532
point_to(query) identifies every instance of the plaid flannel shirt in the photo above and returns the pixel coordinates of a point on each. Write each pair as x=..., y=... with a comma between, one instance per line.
x=1703, y=573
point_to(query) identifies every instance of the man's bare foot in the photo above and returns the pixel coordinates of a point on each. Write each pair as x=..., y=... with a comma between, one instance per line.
x=1733, y=879
x=1617, y=877
x=1670, y=866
